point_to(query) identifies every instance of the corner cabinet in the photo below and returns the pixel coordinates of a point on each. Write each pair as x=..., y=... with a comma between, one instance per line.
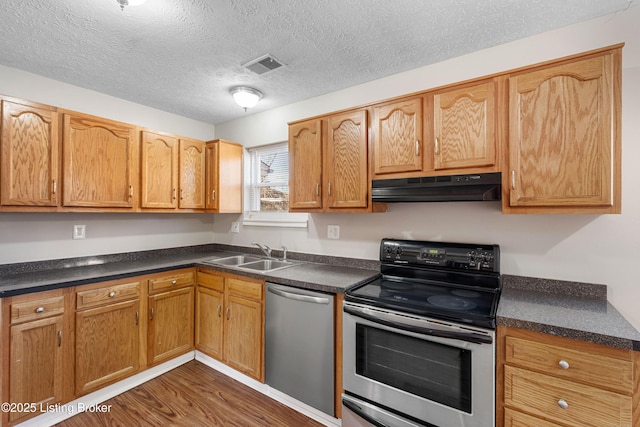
x=564, y=137
x=230, y=321
x=223, y=189
x=550, y=381
x=329, y=164
x=100, y=163
x=29, y=171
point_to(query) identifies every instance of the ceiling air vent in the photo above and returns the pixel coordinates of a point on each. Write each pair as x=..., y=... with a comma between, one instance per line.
x=263, y=65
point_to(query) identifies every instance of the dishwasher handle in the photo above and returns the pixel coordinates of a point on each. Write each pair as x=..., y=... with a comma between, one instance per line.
x=297, y=297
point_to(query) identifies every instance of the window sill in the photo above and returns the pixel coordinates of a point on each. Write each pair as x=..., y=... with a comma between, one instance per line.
x=285, y=219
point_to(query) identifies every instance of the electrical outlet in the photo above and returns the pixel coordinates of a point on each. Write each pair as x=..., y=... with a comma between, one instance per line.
x=333, y=231
x=79, y=232
x=235, y=227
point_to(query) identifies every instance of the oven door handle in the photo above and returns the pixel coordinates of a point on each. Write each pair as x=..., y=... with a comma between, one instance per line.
x=435, y=332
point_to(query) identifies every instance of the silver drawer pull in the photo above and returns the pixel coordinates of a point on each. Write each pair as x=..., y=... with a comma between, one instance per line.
x=563, y=404
x=563, y=364
x=173, y=282
x=40, y=310
x=112, y=294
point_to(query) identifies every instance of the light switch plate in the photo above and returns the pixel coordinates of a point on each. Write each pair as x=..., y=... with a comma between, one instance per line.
x=79, y=232
x=235, y=227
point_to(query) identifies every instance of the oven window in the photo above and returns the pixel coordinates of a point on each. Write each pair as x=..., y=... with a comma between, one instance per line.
x=434, y=371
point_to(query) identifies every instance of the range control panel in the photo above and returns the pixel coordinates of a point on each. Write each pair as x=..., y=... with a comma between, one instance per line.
x=457, y=256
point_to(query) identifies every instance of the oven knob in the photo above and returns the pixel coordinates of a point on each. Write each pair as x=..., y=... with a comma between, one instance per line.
x=399, y=251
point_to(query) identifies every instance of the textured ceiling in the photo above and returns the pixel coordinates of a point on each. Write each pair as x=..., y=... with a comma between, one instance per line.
x=182, y=56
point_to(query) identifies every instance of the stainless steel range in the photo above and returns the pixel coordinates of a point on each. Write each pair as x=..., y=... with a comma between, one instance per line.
x=419, y=341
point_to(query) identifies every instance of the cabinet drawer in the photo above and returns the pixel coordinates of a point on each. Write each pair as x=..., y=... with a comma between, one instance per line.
x=246, y=289
x=596, y=369
x=37, y=309
x=542, y=396
x=171, y=281
x=108, y=294
x=211, y=281
x=518, y=419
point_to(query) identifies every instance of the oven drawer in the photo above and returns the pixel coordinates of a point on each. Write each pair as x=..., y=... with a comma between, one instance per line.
x=565, y=401
x=595, y=369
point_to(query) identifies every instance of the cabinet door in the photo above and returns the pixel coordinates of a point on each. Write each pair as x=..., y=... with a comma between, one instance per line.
x=398, y=137
x=35, y=371
x=464, y=127
x=99, y=162
x=107, y=345
x=159, y=171
x=170, y=324
x=209, y=321
x=346, y=160
x=212, y=200
x=562, y=130
x=29, y=168
x=243, y=336
x=192, y=174
x=305, y=165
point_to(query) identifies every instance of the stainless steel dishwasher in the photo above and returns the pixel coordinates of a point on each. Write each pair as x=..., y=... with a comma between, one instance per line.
x=299, y=345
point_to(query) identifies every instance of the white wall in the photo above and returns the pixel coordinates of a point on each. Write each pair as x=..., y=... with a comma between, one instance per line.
x=40, y=236
x=590, y=248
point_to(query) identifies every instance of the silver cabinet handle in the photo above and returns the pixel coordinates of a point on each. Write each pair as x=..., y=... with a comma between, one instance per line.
x=417, y=147
x=60, y=338
x=317, y=189
x=437, y=146
x=181, y=194
x=137, y=318
x=174, y=193
x=131, y=191
x=563, y=364
x=152, y=311
x=513, y=180
x=55, y=186
x=329, y=189
x=298, y=297
x=173, y=282
x=228, y=313
x=112, y=294
x=40, y=310
x=213, y=194
x=563, y=404
x=219, y=310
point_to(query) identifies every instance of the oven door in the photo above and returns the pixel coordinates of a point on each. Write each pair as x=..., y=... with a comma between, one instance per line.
x=439, y=373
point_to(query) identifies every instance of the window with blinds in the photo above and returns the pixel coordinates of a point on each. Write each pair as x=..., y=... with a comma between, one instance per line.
x=269, y=188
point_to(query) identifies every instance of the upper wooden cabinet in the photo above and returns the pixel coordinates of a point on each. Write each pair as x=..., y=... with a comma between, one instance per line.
x=305, y=165
x=159, y=171
x=328, y=164
x=172, y=172
x=29, y=167
x=398, y=136
x=464, y=127
x=223, y=176
x=564, y=137
x=100, y=159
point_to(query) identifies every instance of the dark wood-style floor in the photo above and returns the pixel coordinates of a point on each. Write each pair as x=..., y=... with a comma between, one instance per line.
x=192, y=395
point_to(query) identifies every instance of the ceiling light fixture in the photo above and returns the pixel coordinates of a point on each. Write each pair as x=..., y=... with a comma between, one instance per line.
x=246, y=97
x=124, y=3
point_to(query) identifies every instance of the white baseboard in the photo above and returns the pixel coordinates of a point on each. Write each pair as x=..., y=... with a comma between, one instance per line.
x=285, y=399
x=58, y=413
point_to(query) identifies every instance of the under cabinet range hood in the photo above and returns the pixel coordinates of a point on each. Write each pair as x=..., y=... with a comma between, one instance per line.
x=448, y=188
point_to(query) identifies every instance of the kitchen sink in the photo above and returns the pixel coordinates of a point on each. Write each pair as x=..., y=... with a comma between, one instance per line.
x=234, y=260
x=266, y=265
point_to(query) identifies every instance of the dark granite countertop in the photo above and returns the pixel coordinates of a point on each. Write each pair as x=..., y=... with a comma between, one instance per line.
x=327, y=274
x=568, y=309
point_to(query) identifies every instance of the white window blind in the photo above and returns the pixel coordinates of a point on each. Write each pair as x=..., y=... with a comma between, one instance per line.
x=269, y=188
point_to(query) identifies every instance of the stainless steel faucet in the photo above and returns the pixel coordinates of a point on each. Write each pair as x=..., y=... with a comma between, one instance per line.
x=264, y=248
x=284, y=253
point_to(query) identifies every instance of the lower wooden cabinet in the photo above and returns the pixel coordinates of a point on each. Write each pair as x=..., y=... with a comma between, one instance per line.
x=230, y=321
x=548, y=381
x=107, y=334
x=36, y=369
